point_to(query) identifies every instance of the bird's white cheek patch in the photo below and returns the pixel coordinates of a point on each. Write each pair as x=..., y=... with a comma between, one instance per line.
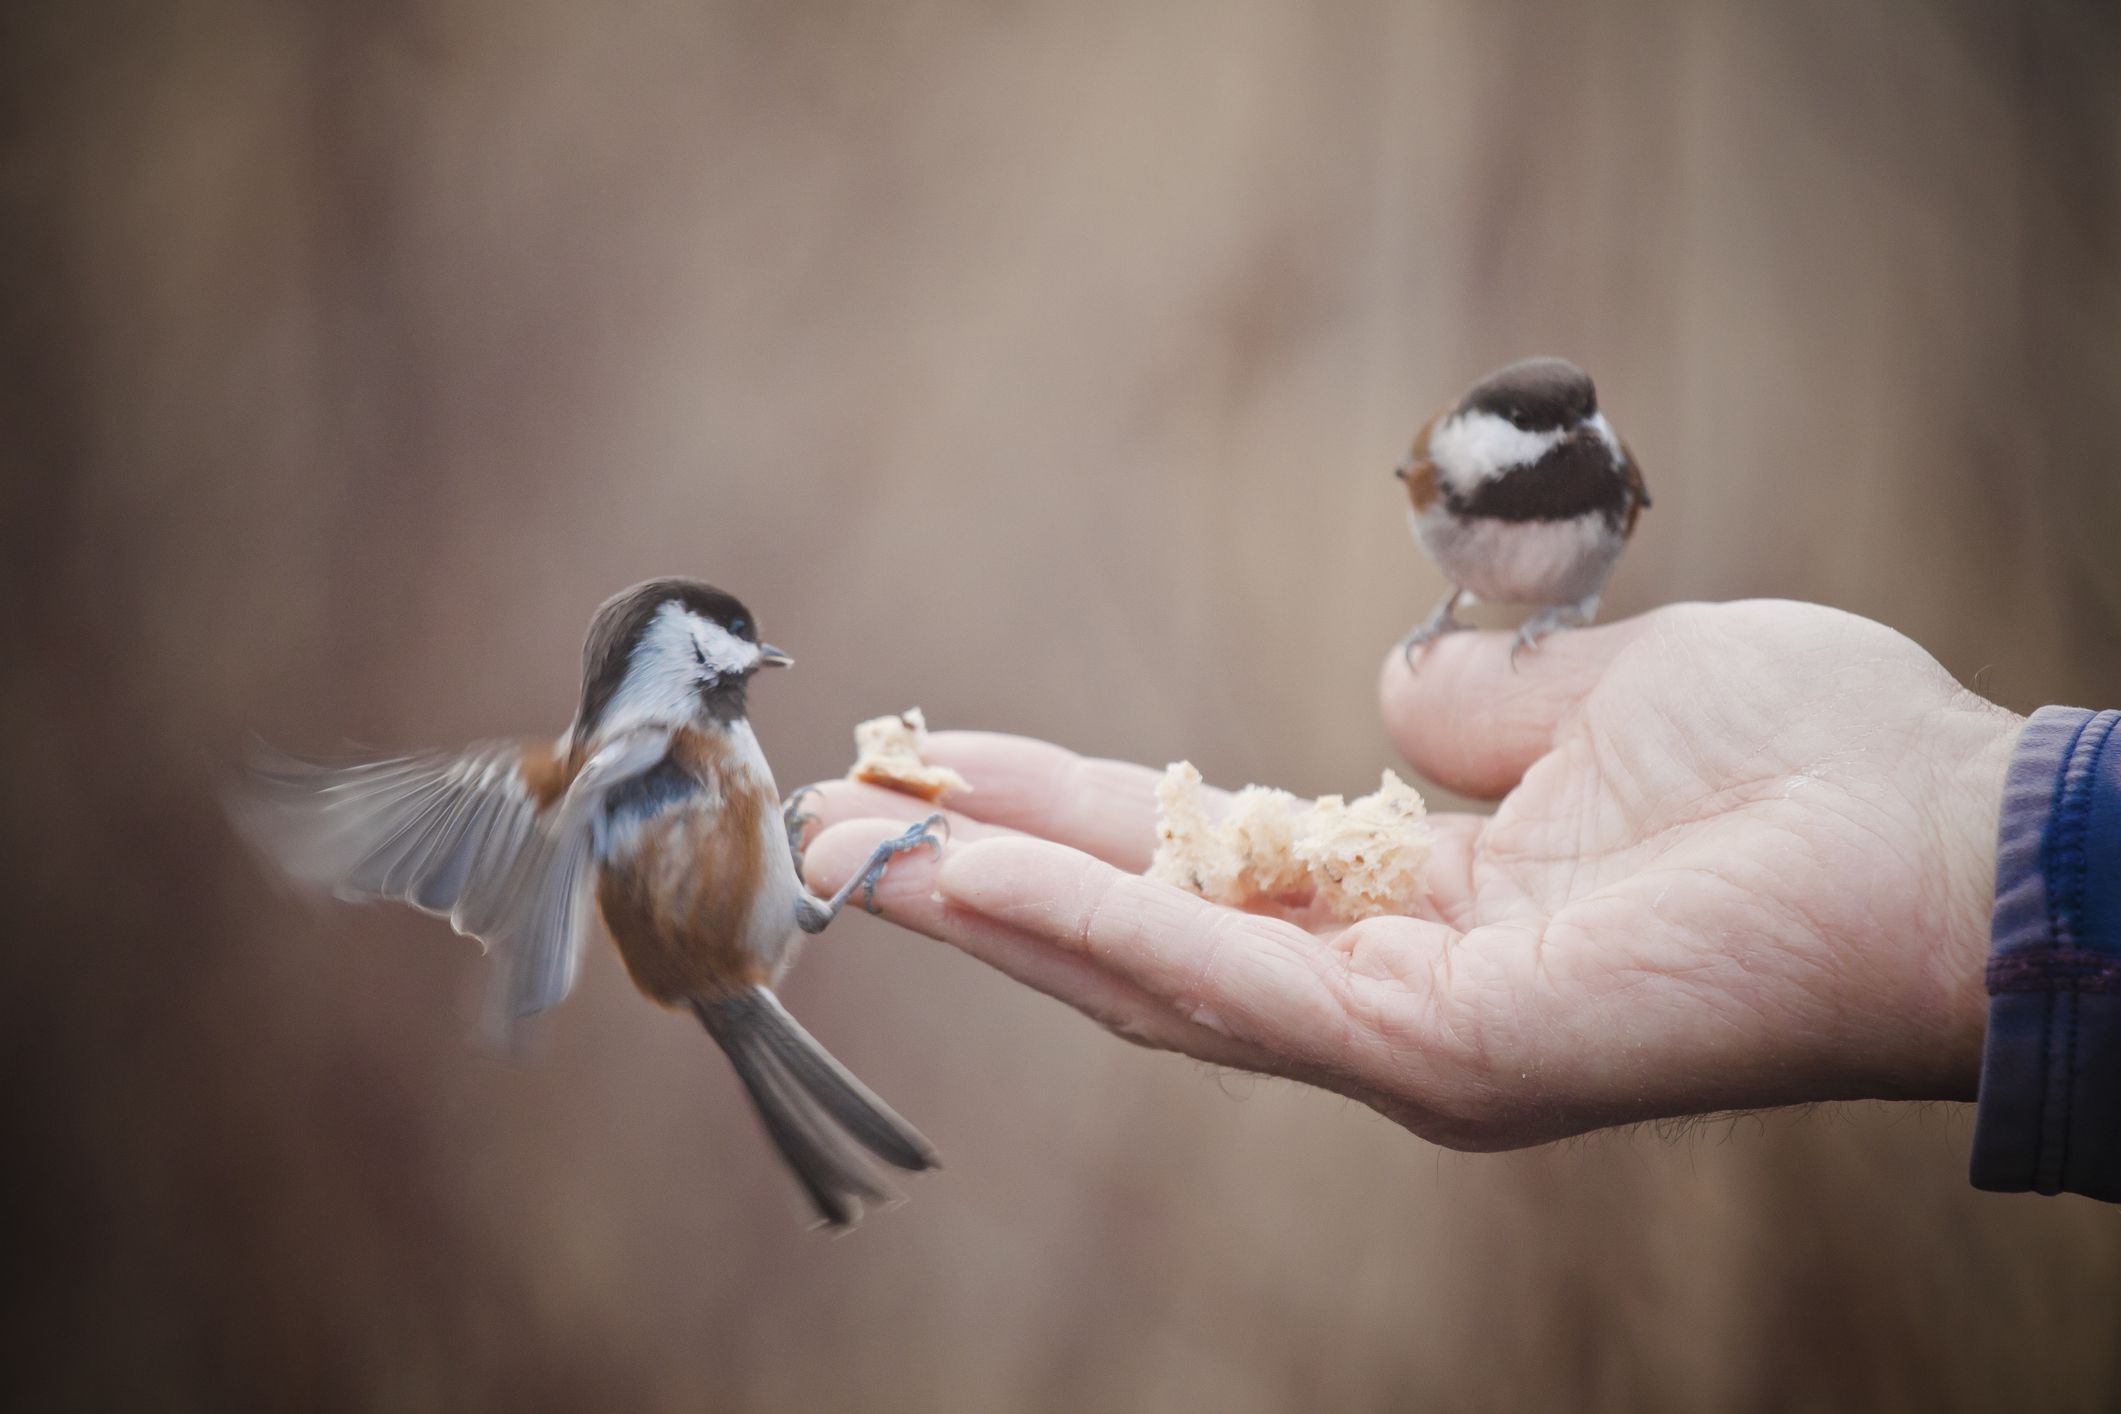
x=1474, y=447
x=662, y=682
x=726, y=654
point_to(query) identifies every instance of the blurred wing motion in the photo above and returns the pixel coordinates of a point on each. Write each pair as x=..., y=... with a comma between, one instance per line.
x=461, y=835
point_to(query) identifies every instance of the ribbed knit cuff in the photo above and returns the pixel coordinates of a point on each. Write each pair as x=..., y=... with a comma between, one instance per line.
x=2049, y=1117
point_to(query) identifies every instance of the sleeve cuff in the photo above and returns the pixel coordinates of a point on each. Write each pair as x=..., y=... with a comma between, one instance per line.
x=2049, y=1114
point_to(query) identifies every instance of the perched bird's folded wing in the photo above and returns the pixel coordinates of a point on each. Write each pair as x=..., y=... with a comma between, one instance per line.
x=484, y=837
x=1638, y=489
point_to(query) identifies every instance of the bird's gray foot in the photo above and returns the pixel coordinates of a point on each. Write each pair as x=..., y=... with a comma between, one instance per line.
x=1550, y=621
x=1432, y=628
x=813, y=914
x=797, y=820
x=925, y=833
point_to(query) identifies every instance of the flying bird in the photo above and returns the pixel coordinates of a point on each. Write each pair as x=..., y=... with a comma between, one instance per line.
x=654, y=817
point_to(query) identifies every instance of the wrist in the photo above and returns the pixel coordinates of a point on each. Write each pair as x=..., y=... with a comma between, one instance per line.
x=1977, y=770
x=1950, y=947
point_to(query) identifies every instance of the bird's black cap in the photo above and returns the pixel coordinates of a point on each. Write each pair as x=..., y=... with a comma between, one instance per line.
x=624, y=617
x=1535, y=394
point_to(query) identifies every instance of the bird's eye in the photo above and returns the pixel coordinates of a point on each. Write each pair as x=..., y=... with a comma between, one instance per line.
x=740, y=627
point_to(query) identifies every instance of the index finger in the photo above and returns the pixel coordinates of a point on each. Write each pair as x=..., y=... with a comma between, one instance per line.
x=1101, y=807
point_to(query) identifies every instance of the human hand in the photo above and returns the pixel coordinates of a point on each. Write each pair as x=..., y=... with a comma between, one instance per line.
x=1743, y=857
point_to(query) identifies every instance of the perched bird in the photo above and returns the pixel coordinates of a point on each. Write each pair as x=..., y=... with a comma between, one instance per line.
x=655, y=811
x=1523, y=494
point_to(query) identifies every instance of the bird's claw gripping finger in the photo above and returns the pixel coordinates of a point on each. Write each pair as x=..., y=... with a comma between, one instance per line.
x=1548, y=622
x=1429, y=630
x=797, y=819
x=1527, y=642
x=1420, y=637
x=930, y=832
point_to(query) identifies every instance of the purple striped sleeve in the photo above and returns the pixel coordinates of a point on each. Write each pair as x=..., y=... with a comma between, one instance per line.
x=2049, y=1118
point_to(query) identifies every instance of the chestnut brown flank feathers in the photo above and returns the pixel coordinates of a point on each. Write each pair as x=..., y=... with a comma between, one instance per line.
x=679, y=903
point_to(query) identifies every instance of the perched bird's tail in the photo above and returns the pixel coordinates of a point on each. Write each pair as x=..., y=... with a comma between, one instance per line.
x=811, y=1105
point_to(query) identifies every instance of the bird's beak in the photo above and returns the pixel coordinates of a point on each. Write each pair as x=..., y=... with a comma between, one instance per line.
x=1400, y=471
x=772, y=657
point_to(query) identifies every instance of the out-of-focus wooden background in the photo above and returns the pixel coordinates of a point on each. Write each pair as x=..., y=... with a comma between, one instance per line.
x=1042, y=364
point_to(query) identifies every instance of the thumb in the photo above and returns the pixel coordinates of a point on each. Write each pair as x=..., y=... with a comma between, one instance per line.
x=1472, y=721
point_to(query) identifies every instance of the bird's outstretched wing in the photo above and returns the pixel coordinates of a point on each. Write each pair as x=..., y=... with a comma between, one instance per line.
x=495, y=838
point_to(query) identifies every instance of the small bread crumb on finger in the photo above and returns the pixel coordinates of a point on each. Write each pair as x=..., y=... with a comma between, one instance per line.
x=890, y=752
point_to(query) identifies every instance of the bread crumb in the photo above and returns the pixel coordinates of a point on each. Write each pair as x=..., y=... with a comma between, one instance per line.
x=1235, y=859
x=1188, y=850
x=1355, y=860
x=889, y=751
x=1371, y=857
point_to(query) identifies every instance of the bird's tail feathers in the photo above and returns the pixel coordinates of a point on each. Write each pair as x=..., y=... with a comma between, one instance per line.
x=815, y=1111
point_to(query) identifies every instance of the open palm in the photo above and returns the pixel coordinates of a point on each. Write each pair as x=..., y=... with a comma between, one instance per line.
x=1742, y=857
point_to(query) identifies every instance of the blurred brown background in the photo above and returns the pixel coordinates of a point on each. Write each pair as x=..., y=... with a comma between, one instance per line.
x=1043, y=364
